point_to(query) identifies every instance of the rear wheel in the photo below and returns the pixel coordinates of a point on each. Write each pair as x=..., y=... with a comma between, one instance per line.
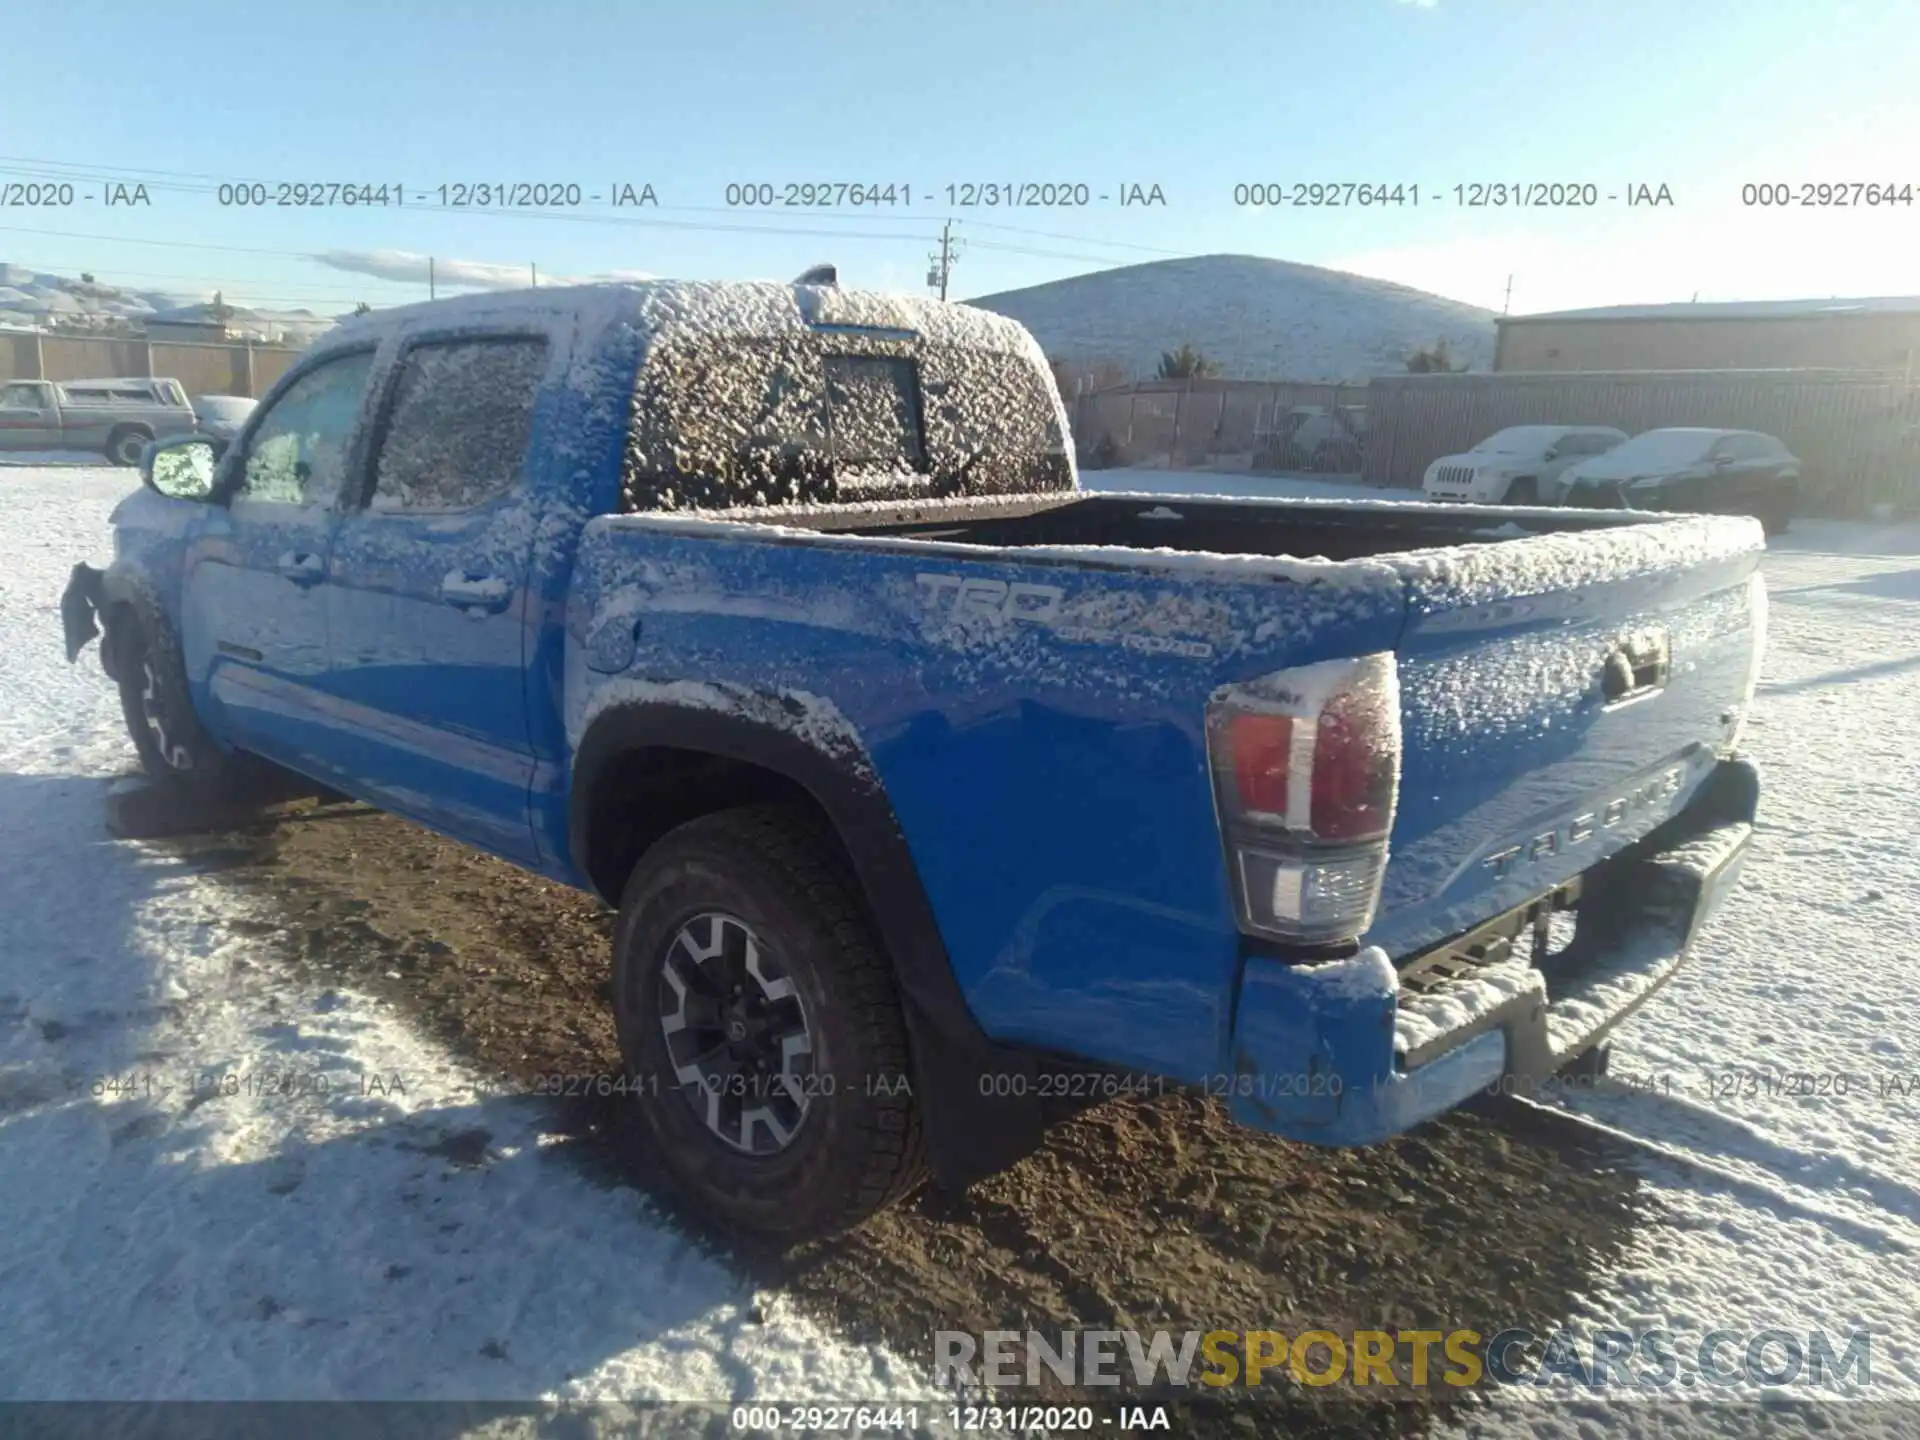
x=761, y=1028
x=125, y=445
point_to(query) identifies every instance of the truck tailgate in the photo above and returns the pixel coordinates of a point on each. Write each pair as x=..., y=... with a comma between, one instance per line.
x=1561, y=695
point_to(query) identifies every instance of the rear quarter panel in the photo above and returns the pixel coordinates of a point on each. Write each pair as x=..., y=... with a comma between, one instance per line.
x=1035, y=718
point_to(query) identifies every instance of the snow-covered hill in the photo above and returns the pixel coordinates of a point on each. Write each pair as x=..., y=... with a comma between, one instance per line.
x=35, y=299
x=1258, y=319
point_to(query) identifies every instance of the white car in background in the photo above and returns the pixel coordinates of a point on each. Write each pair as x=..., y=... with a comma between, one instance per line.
x=1518, y=465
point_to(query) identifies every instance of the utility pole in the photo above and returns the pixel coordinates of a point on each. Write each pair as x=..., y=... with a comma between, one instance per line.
x=1509, y=296
x=534, y=271
x=429, y=277
x=941, y=270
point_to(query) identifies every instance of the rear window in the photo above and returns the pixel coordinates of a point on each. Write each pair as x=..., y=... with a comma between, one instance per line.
x=819, y=418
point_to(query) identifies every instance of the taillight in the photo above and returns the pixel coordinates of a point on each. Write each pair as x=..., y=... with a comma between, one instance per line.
x=1306, y=767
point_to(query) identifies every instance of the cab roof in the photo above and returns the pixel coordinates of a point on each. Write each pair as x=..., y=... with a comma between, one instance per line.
x=663, y=308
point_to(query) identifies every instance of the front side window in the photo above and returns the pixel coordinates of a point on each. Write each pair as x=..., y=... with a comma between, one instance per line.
x=21, y=397
x=299, y=450
x=456, y=434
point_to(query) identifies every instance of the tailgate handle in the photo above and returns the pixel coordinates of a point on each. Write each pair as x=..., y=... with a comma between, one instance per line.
x=1638, y=666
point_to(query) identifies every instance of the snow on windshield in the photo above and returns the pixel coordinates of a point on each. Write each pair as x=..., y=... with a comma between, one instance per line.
x=1520, y=440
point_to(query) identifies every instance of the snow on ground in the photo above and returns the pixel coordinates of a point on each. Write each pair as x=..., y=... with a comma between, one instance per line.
x=1148, y=480
x=40, y=459
x=160, y=1239
x=1796, y=1211
x=372, y=1244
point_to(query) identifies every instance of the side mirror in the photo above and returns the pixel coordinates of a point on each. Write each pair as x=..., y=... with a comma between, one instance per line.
x=180, y=469
x=1553, y=453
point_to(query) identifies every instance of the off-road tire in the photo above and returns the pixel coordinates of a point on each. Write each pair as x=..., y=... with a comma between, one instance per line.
x=1524, y=491
x=860, y=1145
x=125, y=444
x=175, y=749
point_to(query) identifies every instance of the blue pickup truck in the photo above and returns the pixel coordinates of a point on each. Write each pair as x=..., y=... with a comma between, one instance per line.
x=929, y=786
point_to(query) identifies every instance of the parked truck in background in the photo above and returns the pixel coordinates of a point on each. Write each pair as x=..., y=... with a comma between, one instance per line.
x=773, y=615
x=116, y=418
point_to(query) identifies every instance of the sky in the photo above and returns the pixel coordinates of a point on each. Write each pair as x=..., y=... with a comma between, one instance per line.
x=1196, y=99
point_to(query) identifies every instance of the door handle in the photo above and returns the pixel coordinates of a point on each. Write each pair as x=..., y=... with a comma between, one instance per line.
x=301, y=567
x=476, y=594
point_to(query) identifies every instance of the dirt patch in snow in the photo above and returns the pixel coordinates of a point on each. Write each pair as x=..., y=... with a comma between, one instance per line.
x=1153, y=1214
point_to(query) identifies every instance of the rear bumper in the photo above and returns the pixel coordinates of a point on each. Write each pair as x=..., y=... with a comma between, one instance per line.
x=1339, y=1054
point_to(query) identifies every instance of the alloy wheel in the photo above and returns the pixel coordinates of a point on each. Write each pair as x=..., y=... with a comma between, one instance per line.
x=737, y=1033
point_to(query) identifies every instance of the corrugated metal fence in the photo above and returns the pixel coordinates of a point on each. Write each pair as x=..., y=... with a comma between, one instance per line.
x=203, y=368
x=1857, y=434
x=1194, y=422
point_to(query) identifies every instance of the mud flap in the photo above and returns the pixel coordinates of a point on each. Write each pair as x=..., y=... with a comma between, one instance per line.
x=80, y=606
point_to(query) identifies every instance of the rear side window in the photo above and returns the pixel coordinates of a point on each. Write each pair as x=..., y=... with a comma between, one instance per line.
x=723, y=420
x=457, y=429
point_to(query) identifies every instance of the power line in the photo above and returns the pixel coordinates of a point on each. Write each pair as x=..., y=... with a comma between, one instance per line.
x=541, y=214
x=1081, y=239
x=942, y=269
x=43, y=169
x=170, y=244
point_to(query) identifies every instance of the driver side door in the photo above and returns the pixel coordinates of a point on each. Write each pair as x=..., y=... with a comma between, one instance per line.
x=253, y=608
x=26, y=420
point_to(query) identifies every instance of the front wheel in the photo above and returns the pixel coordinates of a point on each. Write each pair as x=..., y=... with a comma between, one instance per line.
x=1524, y=492
x=175, y=750
x=761, y=1028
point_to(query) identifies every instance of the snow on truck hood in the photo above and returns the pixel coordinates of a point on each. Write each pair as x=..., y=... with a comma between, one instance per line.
x=1484, y=459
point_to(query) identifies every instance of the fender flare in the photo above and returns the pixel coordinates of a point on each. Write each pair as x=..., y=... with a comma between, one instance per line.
x=971, y=1133
x=125, y=585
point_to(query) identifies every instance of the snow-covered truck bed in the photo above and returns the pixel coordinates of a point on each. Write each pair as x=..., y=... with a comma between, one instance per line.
x=774, y=616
